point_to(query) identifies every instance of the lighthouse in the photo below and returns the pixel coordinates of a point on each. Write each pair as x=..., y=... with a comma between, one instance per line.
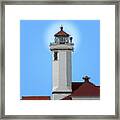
x=61, y=48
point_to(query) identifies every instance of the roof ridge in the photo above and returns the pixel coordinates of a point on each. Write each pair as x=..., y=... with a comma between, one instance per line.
x=62, y=33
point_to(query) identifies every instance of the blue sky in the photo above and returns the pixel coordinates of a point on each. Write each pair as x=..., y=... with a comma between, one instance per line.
x=35, y=56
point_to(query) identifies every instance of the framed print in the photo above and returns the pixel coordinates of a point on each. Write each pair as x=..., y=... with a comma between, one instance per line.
x=60, y=59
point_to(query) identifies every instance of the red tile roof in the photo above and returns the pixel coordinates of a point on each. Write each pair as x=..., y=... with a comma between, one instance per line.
x=86, y=89
x=35, y=98
x=83, y=89
x=79, y=89
x=61, y=33
x=76, y=85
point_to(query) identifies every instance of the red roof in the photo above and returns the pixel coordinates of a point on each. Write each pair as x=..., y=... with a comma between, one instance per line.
x=79, y=89
x=76, y=85
x=83, y=89
x=61, y=33
x=35, y=98
x=87, y=89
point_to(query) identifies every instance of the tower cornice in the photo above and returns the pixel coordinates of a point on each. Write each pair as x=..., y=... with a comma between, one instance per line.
x=61, y=47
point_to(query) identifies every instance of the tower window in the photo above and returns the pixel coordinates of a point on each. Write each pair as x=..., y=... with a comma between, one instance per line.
x=55, y=55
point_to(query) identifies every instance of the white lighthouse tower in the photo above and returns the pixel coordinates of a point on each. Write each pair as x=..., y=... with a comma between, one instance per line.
x=61, y=48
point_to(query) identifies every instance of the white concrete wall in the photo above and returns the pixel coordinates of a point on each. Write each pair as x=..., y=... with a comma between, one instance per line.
x=55, y=75
x=65, y=74
x=69, y=69
x=62, y=75
x=62, y=71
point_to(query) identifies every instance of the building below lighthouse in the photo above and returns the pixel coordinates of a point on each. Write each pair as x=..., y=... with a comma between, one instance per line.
x=85, y=90
x=63, y=87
